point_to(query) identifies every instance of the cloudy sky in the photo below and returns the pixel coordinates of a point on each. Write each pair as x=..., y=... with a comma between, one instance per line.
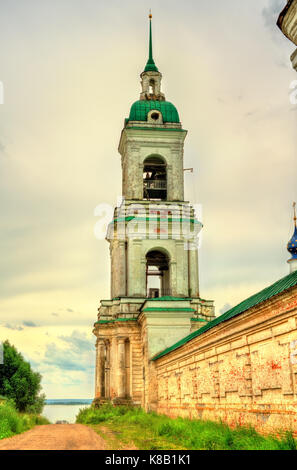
x=70, y=70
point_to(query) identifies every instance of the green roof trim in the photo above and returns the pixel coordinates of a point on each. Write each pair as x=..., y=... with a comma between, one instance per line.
x=199, y=319
x=140, y=109
x=169, y=297
x=156, y=128
x=102, y=322
x=170, y=309
x=277, y=288
x=123, y=219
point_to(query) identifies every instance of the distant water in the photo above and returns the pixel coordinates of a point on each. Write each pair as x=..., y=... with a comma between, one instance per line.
x=64, y=409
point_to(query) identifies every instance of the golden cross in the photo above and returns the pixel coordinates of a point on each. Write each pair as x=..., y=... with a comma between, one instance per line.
x=294, y=209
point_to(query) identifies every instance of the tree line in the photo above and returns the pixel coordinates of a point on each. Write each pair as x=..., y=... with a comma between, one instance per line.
x=19, y=383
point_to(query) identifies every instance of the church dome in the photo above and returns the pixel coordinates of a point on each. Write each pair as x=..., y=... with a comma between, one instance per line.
x=140, y=109
x=292, y=245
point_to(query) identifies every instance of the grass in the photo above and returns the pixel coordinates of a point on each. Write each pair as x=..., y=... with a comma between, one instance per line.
x=123, y=427
x=12, y=422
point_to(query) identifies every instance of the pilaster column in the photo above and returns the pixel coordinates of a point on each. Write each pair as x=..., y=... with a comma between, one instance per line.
x=176, y=172
x=193, y=271
x=140, y=176
x=121, y=368
x=170, y=188
x=107, y=370
x=134, y=184
x=182, y=283
x=136, y=271
x=173, y=277
x=112, y=280
x=143, y=284
x=113, y=379
x=122, y=268
x=100, y=369
x=181, y=194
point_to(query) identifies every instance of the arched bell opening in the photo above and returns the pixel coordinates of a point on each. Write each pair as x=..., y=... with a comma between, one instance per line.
x=152, y=87
x=154, y=179
x=157, y=274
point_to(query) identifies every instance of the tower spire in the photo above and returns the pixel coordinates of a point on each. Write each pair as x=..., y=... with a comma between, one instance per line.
x=150, y=65
x=294, y=210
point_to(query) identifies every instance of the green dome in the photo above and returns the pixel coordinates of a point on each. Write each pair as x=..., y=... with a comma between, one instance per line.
x=141, y=108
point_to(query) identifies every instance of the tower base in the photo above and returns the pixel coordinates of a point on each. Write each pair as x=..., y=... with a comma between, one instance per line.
x=98, y=402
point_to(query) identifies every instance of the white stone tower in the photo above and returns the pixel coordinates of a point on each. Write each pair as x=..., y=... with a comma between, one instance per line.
x=153, y=248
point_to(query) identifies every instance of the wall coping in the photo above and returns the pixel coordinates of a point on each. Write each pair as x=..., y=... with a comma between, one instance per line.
x=261, y=297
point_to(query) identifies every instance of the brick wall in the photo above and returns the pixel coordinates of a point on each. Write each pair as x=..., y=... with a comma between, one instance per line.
x=243, y=371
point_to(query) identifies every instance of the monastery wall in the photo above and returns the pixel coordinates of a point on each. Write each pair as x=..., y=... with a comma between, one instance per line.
x=242, y=371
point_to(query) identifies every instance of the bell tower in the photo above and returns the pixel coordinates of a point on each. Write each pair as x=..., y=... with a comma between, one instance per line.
x=153, y=238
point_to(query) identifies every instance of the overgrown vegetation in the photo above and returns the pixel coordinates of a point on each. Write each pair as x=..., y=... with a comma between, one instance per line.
x=122, y=426
x=12, y=422
x=19, y=382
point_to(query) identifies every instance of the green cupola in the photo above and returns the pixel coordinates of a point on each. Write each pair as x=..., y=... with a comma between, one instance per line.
x=140, y=109
x=152, y=106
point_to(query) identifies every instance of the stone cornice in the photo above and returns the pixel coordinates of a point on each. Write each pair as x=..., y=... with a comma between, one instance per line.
x=139, y=134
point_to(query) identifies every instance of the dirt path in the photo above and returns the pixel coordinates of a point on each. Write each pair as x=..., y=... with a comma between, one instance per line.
x=56, y=437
